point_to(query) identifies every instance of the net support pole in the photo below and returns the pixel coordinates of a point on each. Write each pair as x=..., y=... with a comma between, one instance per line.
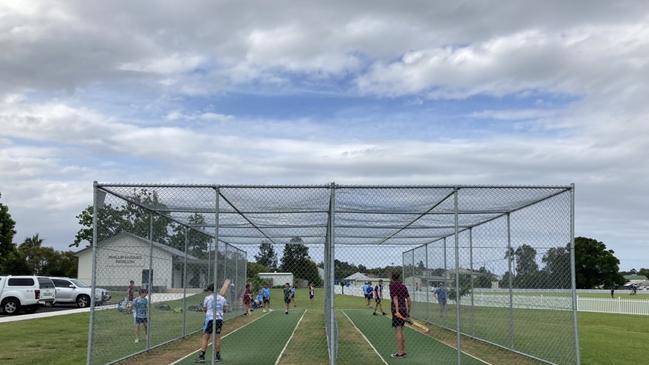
x=225, y=261
x=332, y=241
x=458, y=324
x=185, y=283
x=150, y=284
x=217, y=191
x=446, y=281
x=573, y=276
x=236, y=280
x=472, y=279
x=91, y=324
x=426, y=287
x=510, y=281
x=209, y=262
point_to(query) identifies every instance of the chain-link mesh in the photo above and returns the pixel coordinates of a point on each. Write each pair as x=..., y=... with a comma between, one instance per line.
x=487, y=270
x=155, y=265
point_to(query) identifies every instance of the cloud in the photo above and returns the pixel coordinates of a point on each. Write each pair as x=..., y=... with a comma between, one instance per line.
x=576, y=62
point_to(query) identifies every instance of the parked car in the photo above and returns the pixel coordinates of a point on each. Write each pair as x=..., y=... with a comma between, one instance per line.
x=74, y=291
x=25, y=293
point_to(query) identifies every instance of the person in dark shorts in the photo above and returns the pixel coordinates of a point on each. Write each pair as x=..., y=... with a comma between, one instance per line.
x=311, y=293
x=265, y=292
x=140, y=306
x=287, y=297
x=400, y=307
x=247, y=299
x=378, y=297
x=214, y=305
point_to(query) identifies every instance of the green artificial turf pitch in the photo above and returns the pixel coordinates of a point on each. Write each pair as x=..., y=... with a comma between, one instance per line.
x=259, y=343
x=421, y=349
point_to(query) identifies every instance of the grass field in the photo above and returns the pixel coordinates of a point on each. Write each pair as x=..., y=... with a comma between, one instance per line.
x=605, y=338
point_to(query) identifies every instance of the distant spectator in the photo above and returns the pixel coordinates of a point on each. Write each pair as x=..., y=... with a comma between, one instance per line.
x=442, y=298
x=129, y=296
x=141, y=314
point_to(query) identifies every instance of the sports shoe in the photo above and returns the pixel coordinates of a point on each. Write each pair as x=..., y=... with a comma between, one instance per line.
x=264, y=310
x=137, y=340
x=286, y=312
x=397, y=355
x=218, y=357
x=384, y=314
x=201, y=358
x=374, y=314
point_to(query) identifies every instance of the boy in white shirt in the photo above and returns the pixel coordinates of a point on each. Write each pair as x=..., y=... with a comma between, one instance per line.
x=214, y=304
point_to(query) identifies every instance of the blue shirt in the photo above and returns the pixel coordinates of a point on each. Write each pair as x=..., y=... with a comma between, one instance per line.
x=369, y=290
x=266, y=293
x=260, y=297
x=140, y=306
x=441, y=294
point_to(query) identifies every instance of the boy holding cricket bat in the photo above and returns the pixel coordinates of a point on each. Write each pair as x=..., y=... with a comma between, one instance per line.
x=400, y=305
x=213, y=305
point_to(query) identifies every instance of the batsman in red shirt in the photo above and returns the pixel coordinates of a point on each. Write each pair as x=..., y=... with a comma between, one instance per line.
x=400, y=305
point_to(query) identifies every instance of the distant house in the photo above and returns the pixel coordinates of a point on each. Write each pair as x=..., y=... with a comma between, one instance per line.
x=358, y=279
x=277, y=278
x=357, y=276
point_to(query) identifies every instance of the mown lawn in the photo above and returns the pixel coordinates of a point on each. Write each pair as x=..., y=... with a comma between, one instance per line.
x=605, y=338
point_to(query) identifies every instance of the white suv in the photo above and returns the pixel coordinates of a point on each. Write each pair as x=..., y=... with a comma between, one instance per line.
x=74, y=291
x=25, y=292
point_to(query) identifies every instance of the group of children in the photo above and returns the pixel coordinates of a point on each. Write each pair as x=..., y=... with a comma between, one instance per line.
x=376, y=293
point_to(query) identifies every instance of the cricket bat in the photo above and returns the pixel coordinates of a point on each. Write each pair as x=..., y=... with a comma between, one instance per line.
x=225, y=288
x=418, y=325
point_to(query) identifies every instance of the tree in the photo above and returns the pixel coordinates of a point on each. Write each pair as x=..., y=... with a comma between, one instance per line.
x=267, y=255
x=557, y=268
x=595, y=265
x=296, y=260
x=197, y=241
x=129, y=217
x=644, y=272
x=526, y=260
x=527, y=270
x=484, y=278
x=10, y=262
x=7, y=231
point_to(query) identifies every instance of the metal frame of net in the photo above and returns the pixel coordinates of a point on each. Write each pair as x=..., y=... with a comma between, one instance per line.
x=502, y=256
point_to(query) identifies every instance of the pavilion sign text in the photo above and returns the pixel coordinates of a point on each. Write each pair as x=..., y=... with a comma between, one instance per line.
x=124, y=260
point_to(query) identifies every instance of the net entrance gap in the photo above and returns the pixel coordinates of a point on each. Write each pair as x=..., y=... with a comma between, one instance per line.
x=489, y=271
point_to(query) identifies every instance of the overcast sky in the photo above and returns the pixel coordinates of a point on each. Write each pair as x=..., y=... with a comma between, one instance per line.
x=504, y=92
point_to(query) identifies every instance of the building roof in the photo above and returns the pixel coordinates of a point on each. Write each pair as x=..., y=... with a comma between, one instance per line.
x=358, y=276
x=276, y=273
x=123, y=234
x=635, y=277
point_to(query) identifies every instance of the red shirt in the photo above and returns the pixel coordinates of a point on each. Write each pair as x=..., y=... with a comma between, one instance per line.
x=130, y=293
x=397, y=289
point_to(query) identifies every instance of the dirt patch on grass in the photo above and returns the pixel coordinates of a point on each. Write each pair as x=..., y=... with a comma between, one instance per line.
x=173, y=351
